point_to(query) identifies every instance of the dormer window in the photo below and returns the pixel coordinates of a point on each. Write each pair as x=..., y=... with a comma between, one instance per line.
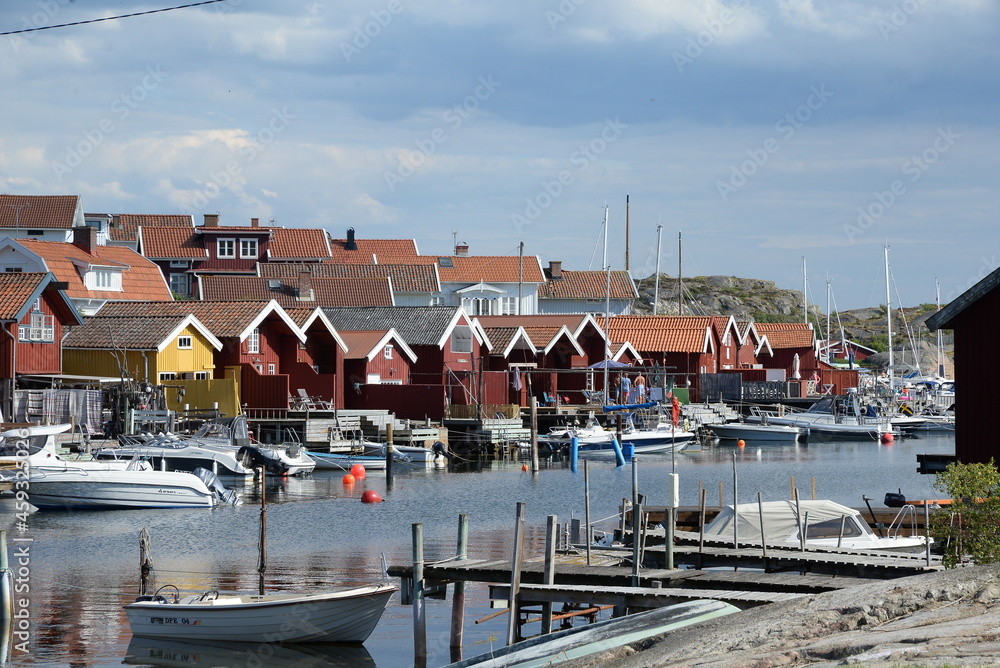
x=387, y=352
x=226, y=248
x=248, y=249
x=103, y=278
x=184, y=342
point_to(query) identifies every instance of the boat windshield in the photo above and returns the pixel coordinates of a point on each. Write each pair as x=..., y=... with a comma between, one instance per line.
x=18, y=447
x=831, y=529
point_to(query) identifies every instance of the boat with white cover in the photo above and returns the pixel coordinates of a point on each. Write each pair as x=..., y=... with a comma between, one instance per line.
x=745, y=431
x=828, y=524
x=345, y=616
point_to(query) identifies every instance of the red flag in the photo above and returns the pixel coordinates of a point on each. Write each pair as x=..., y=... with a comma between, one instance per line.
x=675, y=410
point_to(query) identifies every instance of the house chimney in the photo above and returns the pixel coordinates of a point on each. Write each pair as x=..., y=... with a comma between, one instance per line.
x=85, y=238
x=555, y=270
x=255, y=222
x=462, y=249
x=351, y=244
x=305, y=287
x=211, y=220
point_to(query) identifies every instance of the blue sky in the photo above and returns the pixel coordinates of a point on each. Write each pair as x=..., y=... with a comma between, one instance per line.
x=764, y=131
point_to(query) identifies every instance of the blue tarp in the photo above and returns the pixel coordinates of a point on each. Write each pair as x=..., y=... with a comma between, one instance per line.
x=609, y=364
x=629, y=407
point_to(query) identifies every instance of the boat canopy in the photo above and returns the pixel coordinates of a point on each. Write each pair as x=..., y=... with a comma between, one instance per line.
x=781, y=520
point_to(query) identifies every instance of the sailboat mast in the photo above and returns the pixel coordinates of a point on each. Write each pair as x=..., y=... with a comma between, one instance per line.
x=607, y=336
x=656, y=284
x=605, y=265
x=805, y=298
x=628, y=231
x=940, y=353
x=888, y=313
x=828, y=330
x=680, y=285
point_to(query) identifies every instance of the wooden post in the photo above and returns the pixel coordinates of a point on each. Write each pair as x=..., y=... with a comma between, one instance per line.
x=515, y=576
x=793, y=487
x=813, y=488
x=701, y=528
x=458, y=602
x=722, y=495
x=760, y=512
x=534, y=434
x=262, y=564
x=145, y=562
x=636, y=542
x=419, y=616
x=549, y=575
x=736, y=490
x=927, y=532
x=389, y=458
x=586, y=506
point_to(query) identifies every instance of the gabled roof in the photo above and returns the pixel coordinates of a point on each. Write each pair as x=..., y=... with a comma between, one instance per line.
x=944, y=318
x=223, y=319
x=367, y=344
x=170, y=243
x=405, y=277
x=307, y=318
x=787, y=334
x=125, y=227
x=296, y=243
x=285, y=291
x=370, y=251
x=575, y=322
x=40, y=211
x=619, y=349
x=479, y=268
x=141, y=279
x=20, y=290
x=723, y=323
x=663, y=333
x=152, y=333
x=508, y=339
x=545, y=338
x=589, y=285
x=418, y=325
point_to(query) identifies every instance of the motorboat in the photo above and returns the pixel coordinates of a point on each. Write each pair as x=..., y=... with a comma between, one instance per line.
x=30, y=445
x=344, y=616
x=67, y=485
x=436, y=456
x=663, y=437
x=827, y=524
x=590, y=433
x=345, y=462
x=167, y=452
x=746, y=431
x=830, y=417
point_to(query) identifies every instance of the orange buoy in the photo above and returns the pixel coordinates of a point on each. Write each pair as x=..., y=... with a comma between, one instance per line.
x=358, y=471
x=371, y=496
x=741, y=443
x=887, y=437
x=524, y=467
x=349, y=479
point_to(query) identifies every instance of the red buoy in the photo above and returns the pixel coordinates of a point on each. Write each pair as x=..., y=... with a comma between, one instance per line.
x=524, y=467
x=371, y=496
x=887, y=437
x=348, y=479
x=358, y=471
x=741, y=443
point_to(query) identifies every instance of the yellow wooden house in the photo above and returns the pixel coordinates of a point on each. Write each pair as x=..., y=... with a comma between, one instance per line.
x=175, y=351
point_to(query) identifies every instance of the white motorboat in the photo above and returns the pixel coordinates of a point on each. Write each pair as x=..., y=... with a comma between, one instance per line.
x=346, y=616
x=436, y=456
x=830, y=417
x=827, y=524
x=66, y=485
x=745, y=431
x=167, y=452
x=344, y=462
x=30, y=444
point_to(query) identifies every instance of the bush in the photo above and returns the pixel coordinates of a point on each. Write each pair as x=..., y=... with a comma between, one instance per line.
x=967, y=529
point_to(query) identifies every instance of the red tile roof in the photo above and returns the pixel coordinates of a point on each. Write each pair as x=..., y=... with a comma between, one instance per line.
x=298, y=243
x=589, y=285
x=141, y=279
x=326, y=291
x=162, y=243
x=405, y=277
x=786, y=334
x=39, y=211
x=124, y=227
x=360, y=343
x=369, y=249
x=661, y=333
x=476, y=268
x=16, y=288
x=223, y=319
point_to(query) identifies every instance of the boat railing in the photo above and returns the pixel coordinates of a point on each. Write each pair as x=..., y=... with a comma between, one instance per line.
x=906, y=512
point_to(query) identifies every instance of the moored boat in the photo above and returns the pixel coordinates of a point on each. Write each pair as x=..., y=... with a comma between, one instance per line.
x=745, y=431
x=337, y=461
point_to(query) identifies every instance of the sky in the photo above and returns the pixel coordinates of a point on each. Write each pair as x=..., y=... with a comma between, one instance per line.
x=778, y=138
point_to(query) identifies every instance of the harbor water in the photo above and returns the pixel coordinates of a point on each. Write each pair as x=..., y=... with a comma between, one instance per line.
x=82, y=567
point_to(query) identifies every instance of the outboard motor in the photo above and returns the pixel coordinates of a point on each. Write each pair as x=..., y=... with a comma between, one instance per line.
x=212, y=481
x=254, y=457
x=439, y=449
x=894, y=499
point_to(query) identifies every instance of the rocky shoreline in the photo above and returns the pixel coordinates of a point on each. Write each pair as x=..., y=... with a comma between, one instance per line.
x=948, y=618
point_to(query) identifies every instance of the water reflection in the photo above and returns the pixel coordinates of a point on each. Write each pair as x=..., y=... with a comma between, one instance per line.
x=156, y=652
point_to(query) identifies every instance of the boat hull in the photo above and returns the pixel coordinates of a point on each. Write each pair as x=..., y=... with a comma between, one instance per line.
x=331, y=461
x=757, y=432
x=89, y=489
x=347, y=616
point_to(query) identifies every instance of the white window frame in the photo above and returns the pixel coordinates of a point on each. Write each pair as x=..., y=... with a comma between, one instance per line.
x=387, y=351
x=271, y=369
x=461, y=339
x=253, y=341
x=103, y=279
x=42, y=329
x=201, y=375
x=248, y=252
x=185, y=342
x=230, y=248
x=167, y=375
x=180, y=282
x=508, y=306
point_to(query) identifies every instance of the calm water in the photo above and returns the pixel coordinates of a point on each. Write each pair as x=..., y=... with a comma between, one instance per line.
x=84, y=565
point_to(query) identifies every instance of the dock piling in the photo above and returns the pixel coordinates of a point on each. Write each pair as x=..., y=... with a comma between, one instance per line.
x=389, y=458
x=549, y=575
x=145, y=562
x=458, y=600
x=419, y=612
x=586, y=507
x=515, y=575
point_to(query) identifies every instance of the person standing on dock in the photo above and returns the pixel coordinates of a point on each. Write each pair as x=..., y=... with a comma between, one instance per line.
x=626, y=386
x=640, y=388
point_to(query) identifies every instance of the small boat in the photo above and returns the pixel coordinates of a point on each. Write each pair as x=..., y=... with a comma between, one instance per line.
x=583, y=641
x=828, y=524
x=166, y=452
x=745, y=431
x=345, y=616
x=436, y=456
x=337, y=461
x=102, y=486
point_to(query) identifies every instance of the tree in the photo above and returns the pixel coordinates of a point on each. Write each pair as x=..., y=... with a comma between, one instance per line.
x=967, y=528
